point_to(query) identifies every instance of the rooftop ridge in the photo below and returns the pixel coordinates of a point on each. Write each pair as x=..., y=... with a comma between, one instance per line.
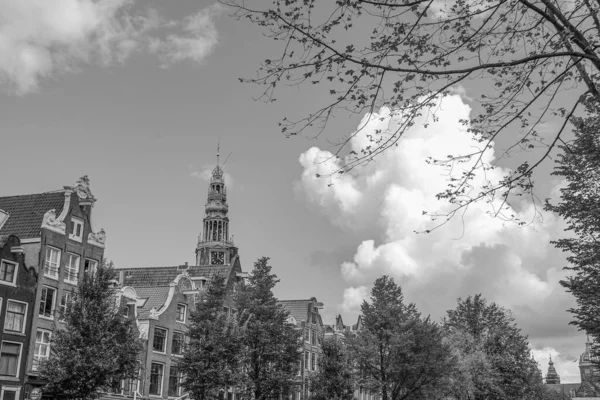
x=34, y=194
x=175, y=266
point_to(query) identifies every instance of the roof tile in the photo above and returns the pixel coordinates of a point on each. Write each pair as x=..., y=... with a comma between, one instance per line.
x=26, y=212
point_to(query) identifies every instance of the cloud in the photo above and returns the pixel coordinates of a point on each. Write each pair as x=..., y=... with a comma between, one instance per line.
x=40, y=39
x=382, y=204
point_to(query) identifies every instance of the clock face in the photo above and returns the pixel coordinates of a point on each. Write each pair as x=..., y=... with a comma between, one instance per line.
x=217, y=258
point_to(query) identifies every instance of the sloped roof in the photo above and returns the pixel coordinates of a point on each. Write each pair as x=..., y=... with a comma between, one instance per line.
x=163, y=276
x=297, y=308
x=26, y=212
x=564, y=387
x=156, y=298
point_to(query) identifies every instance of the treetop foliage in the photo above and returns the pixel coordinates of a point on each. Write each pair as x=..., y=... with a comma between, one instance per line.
x=96, y=346
x=212, y=359
x=494, y=360
x=270, y=353
x=579, y=166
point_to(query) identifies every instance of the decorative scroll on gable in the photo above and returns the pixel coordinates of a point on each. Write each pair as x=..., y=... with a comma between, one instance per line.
x=184, y=283
x=97, y=239
x=153, y=314
x=82, y=188
x=53, y=223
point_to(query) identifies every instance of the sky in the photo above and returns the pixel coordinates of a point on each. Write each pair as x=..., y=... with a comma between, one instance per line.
x=137, y=94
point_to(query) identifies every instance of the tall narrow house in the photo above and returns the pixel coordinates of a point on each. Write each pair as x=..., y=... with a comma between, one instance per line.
x=59, y=241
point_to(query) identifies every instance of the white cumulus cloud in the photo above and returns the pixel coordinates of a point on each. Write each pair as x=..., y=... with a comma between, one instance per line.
x=40, y=39
x=382, y=204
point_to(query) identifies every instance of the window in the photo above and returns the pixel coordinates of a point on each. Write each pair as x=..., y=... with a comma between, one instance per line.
x=64, y=301
x=160, y=339
x=307, y=335
x=72, y=268
x=8, y=272
x=313, y=361
x=313, y=338
x=156, y=377
x=51, y=262
x=314, y=318
x=174, y=378
x=9, y=359
x=47, y=302
x=9, y=393
x=306, y=360
x=15, y=316
x=90, y=266
x=129, y=386
x=177, y=345
x=42, y=348
x=76, y=229
x=181, y=309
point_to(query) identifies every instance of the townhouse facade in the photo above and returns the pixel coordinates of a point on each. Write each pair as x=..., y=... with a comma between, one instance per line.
x=59, y=243
x=18, y=285
x=304, y=314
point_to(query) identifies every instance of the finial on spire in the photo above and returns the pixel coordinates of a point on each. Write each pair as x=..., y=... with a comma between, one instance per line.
x=218, y=148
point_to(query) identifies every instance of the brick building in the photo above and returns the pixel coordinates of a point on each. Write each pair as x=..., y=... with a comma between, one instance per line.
x=305, y=315
x=17, y=303
x=59, y=243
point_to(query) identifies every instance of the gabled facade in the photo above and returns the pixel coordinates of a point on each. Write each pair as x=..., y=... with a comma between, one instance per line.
x=17, y=300
x=305, y=315
x=59, y=243
x=162, y=299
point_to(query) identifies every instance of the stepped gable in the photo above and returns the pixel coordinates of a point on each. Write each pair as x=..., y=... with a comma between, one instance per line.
x=26, y=212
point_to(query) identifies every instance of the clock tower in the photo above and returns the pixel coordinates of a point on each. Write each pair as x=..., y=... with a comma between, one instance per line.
x=215, y=246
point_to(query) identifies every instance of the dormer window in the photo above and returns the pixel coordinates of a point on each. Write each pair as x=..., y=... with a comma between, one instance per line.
x=76, y=229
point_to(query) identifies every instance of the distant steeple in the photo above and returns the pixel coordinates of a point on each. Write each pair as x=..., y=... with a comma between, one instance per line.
x=552, y=377
x=215, y=246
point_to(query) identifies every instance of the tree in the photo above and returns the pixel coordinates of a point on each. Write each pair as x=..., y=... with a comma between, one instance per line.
x=495, y=356
x=271, y=354
x=97, y=344
x=407, y=54
x=334, y=379
x=579, y=166
x=211, y=360
x=400, y=355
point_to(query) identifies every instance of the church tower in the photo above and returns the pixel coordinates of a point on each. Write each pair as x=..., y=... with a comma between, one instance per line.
x=215, y=246
x=552, y=377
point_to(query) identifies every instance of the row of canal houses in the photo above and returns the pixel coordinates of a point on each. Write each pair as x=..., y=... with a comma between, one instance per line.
x=48, y=240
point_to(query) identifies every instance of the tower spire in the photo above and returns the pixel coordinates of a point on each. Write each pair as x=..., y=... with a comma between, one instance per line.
x=214, y=245
x=218, y=148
